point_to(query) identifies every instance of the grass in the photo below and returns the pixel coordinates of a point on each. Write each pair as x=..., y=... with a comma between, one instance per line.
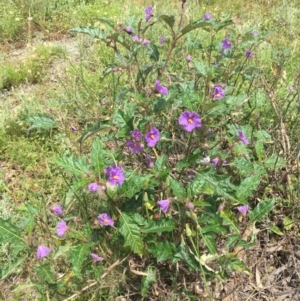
x=77, y=97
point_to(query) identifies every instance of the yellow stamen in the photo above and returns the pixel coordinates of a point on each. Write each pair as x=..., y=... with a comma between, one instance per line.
x=190, y=120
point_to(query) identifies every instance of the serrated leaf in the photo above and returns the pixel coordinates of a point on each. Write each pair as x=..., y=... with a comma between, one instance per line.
x=10, y=233
x=170, y=20
x=230, y=221
x=232, y=239
x=247, y=186
x=159, y=226
x=77, y=256
x=77, y=166
x=41, y=121
x=153, y=52
x=147, y=281
x=134, y=185
x=177, y=188
x=91, y=31
x=197, y=186
x=261, y=210
x=122, y=120
x=97, y=156
x=4, y=272
x=275, y=162
x=62, y=250
x=45, y=273
x=210, y=242
x=220, y=186
x=162, y=251
x=187, y=257
x=131, y=233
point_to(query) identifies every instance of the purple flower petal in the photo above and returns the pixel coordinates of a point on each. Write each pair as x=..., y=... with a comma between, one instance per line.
x=42, y=251
x=249, y=54
x=218, y=93
x=164, y=205
x=115, y=175
x=207, y=16
x=190, y=121
x=243, y=209
x=96, y=257
x=243, y=137
x=215, y=161
x=93, y=187
x=136, y=134
x=152, y=137
x=161, y=89
x=61, y=228
x=226, y=44
x=128, y=30
x=57, y=209
x=191, y=206
x=148, y=12
x=188, y=58
x=162, y=40
x=135, y=146
x=105, y=220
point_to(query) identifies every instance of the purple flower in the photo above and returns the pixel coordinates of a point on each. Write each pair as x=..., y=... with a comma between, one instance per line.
x=135, y=146
x=191, y=206
x=128, y=30
x=291, y=88
x=96, y=257
x=164, y=205
x=145, y=42
x=207, y=16
x=190, y=121
x=249, y=54
x=136, y=38
x=105, y=220
x=93, y=187
x=162, y=40
x=226, y=44
x=148, y=12
x=221, y=207
x=73, y=128
x=243, y=137
x=188, y=58
x=115, y=175
x=149, y=162
x=191, y=175
x=61, y=228
x=243, y=209
x=218, y=93
x=160, y=89
x=224, y=163
x=215, y=161
x=136, y=134
x=254, y=33
x=42, y=251
x=57, y=209
x=152, y=137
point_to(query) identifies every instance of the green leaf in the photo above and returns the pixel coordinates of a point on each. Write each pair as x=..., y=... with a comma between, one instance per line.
x=159, y=226
x=247, y=186
x=97, y=156
x=170, y=20
x=234, y=264
x=62, y=250
x=131, y=233
x=11, y=268
x=259, y=149
x=232, y=239
x=274, y=162
x=160, y=163
x=45, y=273
x=196, y=187
x=162, y=251
x=220, y=186
x=134, y=185
x=91, y=31
x=147, y=281
x=276, y=230
x=153, y=52
x=230, y=221
x=187, y=257
x=288, y=223
x=121, y=119
x=41, y=121
x=177, y=188
x=77, y=256
x=261, y=210
x=77, y=166
x=210, y=242
x=93, y=129
x=10, y=233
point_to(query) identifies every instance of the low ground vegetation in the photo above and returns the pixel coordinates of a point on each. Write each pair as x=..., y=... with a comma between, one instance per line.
x=149, y=152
